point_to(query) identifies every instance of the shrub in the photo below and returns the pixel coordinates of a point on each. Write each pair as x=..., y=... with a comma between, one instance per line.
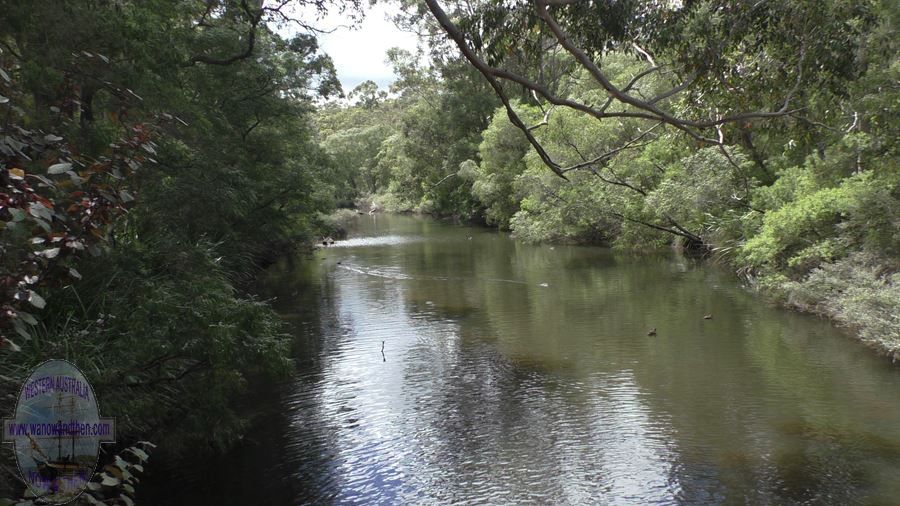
x=860, y=291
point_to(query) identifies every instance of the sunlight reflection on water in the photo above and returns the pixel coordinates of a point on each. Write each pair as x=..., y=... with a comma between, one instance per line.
x=515, y=373
x=383, y=240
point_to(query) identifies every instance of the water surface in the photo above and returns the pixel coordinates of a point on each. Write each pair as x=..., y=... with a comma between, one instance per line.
x=513, y=373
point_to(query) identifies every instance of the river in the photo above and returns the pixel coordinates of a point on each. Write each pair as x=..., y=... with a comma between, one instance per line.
x=514, y=373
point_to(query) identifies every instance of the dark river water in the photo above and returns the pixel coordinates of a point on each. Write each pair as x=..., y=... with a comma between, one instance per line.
x=514, y=373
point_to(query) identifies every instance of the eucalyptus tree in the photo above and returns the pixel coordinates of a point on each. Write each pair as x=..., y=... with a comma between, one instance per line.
x=168, y=149
x=729, y=64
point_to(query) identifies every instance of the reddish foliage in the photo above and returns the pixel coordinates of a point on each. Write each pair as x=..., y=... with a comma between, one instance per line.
x=55, y=206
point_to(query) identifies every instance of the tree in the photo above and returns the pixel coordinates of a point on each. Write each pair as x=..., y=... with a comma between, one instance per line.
x=153, y=156
x=367, y=94
x=724, y=31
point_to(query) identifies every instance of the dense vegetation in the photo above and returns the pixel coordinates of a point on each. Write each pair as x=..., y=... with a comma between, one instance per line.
x=153, y=156
x=762, y=134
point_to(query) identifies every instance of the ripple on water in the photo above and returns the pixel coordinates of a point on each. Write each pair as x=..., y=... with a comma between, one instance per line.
x=495, y=389
x=379, y=240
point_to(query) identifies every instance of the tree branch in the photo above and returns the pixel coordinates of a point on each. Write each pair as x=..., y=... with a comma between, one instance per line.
x=255, y=19
x=611, y=153
x=486, y=71
x=640, y=108
x=448, y=176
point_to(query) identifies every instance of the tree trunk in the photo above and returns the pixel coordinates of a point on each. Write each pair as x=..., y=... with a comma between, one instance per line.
x=87, y=106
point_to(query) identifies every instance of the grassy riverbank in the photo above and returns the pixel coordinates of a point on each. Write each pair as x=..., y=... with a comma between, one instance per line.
x=860, y=293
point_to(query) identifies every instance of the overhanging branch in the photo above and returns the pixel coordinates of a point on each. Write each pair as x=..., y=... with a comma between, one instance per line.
x=255, y=18
x=486, y=71
x=638, y=108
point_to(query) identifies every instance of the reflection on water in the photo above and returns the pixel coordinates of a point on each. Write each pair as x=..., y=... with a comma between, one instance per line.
x=378, y=240
x=523, y=374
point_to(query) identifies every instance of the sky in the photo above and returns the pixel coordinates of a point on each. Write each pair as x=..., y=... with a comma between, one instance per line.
x=360, y=53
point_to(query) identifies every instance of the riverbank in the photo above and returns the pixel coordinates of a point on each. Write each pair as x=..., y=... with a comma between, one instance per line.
x=860, y=293
x=523, y=373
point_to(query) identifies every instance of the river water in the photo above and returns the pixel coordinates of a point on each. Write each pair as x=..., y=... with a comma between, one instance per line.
x=514, y=373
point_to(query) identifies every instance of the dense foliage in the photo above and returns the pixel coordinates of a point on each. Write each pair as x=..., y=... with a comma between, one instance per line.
x=800, y=194
x=153, y=155
x=408, y=149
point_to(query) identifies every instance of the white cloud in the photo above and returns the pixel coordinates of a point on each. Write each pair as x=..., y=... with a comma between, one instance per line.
x=360, y=53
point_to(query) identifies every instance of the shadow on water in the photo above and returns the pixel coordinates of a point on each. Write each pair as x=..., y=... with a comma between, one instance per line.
x=514, y=373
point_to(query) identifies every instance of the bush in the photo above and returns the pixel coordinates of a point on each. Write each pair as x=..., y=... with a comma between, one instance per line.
x=502, y=155
x=806, y=226
x=166, y=340
x=860, y=292
x=336, y=224
x=700, y=186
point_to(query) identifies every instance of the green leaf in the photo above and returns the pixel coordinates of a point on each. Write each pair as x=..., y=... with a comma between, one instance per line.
x=120, y=463
x=59, y=168
x=38, y=210
x=21, y=330
x=43, y=223
x=115, y=472
x=17, y=214
x=27, y=317
x=13, y=346
x=141, y=454
x=36, y=300
x=108, y=481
